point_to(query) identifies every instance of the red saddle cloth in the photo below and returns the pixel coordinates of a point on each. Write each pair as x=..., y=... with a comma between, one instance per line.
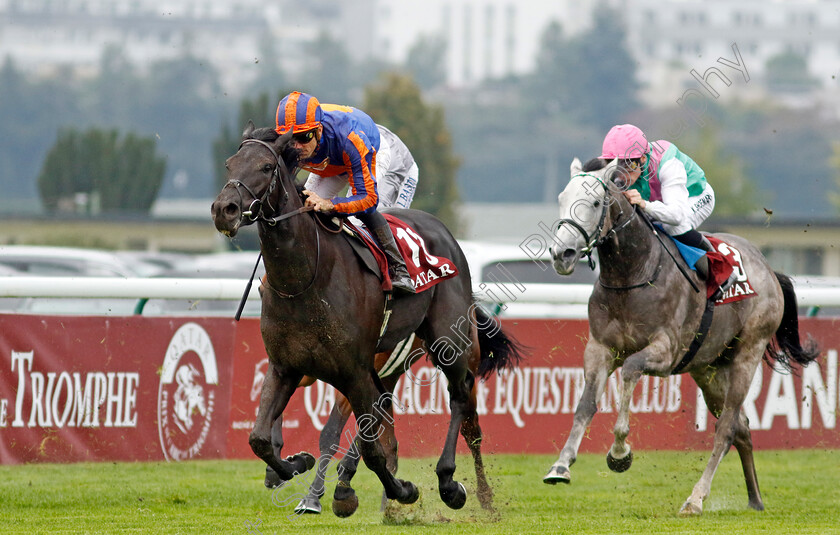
x=425, y=269
x=722, y=262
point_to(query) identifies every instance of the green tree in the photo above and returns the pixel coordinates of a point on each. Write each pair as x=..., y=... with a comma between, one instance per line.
x=426, y=61
x=395, y=102
x=735, y=194
x=261, y=110
x=30, y=113
x=788, y=72
x=110, y=173
x=590, y=77
x=330, y=75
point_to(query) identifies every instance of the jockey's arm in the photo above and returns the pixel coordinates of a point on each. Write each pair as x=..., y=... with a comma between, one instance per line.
x=359, y=160
x=673, y=208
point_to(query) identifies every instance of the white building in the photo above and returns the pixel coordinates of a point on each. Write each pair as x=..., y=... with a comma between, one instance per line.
x=672, y=38
x=48, y=37
x=486, y=38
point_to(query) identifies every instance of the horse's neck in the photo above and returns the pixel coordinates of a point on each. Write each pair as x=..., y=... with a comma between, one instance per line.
x=290, y=250
x=628, y=255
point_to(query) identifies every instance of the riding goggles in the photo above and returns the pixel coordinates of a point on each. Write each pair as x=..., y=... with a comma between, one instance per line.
x=632, y=164
x=304, y=137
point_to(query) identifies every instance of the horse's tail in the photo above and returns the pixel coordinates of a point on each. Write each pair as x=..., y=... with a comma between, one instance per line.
x=790, y=350
x=498, y=349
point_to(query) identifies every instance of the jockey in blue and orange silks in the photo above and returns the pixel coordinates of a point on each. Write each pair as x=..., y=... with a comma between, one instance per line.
x=341, y=144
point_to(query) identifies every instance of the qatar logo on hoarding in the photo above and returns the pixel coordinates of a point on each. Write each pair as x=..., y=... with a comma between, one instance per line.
x=187, y=393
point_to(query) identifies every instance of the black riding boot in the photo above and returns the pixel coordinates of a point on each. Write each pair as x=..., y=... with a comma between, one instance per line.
x=378, y=225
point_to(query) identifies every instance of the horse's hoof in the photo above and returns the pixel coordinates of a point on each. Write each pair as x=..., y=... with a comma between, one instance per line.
x=690, y=508
x=412, y=493
x=621, y=464
x=558, y=474
x=302, y=462
x=272, y=480
x=456, y=498
x=345, y=507
x=309, y=505
x=756, y=505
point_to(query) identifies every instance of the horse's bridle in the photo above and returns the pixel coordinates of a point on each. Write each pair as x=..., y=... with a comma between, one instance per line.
x=599, y=236
x=255, y=211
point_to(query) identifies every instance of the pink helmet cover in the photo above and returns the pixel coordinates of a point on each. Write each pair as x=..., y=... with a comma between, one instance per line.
x=624, y=141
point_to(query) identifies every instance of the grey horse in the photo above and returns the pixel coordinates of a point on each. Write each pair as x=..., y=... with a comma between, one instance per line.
x=643, y=315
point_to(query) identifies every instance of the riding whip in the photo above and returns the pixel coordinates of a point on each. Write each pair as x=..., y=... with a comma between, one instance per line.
x=247, y=289
x=658, y=237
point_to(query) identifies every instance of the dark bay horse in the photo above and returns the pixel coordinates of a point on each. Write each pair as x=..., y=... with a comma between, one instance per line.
x=329, y=440
x=643, y=315
x=322, y=314
x=390, y=369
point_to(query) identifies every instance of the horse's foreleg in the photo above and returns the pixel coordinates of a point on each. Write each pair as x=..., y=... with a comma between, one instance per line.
x=655, y=359
x=266, y=439
x=597, y=362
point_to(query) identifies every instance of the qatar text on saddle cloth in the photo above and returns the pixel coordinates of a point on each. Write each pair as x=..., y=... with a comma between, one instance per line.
x=425, y=269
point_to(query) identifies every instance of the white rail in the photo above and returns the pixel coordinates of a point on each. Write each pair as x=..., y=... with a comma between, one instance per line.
x=111, y=287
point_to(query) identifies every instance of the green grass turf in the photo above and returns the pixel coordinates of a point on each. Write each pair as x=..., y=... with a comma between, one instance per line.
x=800, y=490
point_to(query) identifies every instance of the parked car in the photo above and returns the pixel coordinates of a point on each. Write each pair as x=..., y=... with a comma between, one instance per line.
x=149, y=263
x=493, y=264
x=64, y=261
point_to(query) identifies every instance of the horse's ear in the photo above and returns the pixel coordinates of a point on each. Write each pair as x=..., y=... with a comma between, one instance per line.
x=248, y=133
x=576, y=166
x=285, y=138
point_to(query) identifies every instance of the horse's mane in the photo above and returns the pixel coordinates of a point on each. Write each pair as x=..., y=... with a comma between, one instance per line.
x=265, y=133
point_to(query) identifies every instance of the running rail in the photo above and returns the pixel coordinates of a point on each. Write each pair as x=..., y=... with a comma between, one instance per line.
x=143, y=288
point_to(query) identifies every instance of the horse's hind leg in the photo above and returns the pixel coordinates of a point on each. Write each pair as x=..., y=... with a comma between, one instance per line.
x=597, y=364
x=369, y=414
x=266, y=439
x=721, y=390
x=471, y=432
x=743, y=443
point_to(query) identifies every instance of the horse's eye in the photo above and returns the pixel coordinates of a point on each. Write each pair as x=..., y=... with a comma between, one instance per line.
x=267, y=168
x=596, y=204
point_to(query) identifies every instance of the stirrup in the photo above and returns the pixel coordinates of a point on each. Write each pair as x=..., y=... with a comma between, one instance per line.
x=727, y=284
x=403, y=283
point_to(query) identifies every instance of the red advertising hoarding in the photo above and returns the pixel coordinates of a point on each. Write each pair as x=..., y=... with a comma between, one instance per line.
x=135, y=388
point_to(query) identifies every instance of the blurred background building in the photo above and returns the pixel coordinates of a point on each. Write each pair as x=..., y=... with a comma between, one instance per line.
x=762, y=73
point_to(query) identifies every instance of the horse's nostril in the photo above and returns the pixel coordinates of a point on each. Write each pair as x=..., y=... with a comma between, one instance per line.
x=569, y=254
x=231, y=210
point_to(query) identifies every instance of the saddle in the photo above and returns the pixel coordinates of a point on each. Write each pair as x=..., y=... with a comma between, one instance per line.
x=425, y=269
x=722, y=262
